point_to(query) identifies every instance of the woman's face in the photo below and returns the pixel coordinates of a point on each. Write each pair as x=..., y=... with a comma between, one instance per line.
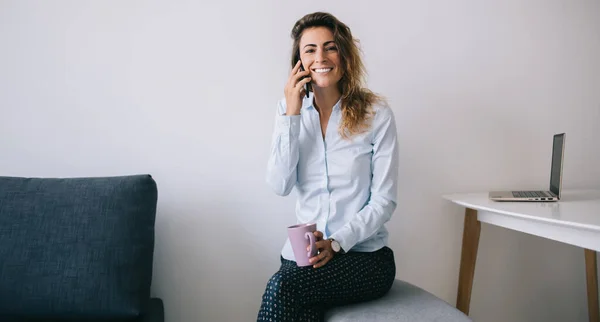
x=320, y=55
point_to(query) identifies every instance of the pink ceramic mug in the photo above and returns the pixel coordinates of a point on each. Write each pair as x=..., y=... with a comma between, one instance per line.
x=301, y=236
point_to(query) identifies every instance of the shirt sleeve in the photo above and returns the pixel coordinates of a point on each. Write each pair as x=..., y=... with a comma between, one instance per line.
x=284, y=153
x=384, y=186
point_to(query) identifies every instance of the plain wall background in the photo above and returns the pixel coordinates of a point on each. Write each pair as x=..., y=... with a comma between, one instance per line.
x=186, y=91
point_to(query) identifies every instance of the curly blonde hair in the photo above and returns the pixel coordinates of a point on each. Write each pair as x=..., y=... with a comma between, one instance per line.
x=357, y=101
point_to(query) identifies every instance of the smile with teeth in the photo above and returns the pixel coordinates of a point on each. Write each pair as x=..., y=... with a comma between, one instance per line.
x=322, y=70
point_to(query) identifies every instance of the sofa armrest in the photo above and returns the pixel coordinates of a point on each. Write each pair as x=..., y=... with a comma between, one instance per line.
x=155, y=311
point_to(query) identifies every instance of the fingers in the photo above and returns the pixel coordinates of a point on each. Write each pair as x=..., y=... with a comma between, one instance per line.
x=323, y=244
x=296, y=82
x=319, y=235
x=325, y=251
x=296, y=68
x=296, y=73
x=298, y=78
x=320, y=244
x=322, y=259
x=300, y=84
x=297, y=86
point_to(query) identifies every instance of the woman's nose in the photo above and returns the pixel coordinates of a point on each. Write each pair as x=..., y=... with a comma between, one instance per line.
x=319, y=57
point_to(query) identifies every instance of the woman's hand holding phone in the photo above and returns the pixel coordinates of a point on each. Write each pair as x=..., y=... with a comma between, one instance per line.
x=294, y=89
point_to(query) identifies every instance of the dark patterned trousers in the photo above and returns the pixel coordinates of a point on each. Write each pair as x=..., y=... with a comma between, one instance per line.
x=304, y=293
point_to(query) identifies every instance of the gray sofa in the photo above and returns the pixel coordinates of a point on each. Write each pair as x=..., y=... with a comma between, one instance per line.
x=78, y=249
x=404, y=302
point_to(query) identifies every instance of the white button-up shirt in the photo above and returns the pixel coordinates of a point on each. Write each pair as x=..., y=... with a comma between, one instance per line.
x=347, y=186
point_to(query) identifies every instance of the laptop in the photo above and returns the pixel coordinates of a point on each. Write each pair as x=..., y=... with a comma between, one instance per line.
x=558, y=151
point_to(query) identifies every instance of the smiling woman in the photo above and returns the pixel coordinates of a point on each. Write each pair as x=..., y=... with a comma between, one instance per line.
x=346, y=179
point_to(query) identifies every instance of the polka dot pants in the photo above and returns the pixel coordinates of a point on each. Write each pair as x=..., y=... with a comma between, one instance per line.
x=304, y=293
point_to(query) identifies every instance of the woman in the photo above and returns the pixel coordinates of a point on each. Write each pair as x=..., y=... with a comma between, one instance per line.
x=337, y=145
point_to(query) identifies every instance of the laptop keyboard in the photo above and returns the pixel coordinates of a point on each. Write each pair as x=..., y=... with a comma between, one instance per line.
x=529, y=194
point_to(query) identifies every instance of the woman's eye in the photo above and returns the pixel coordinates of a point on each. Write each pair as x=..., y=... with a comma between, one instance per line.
x=332, y=48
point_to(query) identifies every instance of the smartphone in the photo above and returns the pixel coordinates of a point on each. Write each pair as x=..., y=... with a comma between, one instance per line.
x=308, y=87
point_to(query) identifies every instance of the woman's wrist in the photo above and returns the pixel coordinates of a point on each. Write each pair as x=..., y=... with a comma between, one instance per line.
x=292, y=112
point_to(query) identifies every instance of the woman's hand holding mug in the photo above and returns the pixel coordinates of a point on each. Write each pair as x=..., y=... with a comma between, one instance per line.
x=325, y=252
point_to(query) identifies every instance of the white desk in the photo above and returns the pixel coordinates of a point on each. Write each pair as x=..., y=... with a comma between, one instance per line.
x=574, y=220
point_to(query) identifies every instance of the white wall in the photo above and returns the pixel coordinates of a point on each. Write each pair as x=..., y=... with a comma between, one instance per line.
x=186, y=91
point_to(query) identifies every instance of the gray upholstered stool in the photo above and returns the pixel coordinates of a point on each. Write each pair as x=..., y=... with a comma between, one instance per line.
x=404, y=303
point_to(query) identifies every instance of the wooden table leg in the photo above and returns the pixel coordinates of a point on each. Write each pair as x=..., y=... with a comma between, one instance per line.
x=468, y=257
x=591, y=272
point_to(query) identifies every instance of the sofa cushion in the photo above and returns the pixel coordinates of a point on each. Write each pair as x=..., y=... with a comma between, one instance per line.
x=76, y=248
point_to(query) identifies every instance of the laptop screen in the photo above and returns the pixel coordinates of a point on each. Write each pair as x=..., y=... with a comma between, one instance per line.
x=556, y=168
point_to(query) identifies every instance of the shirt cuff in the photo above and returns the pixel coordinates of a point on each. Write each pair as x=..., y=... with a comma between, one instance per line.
x=345, y=240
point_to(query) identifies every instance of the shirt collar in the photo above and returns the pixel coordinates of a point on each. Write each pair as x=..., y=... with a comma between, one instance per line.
x=307, y=102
